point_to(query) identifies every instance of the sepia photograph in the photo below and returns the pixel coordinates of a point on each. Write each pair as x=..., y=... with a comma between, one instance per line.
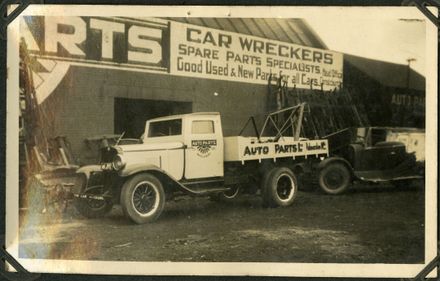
x=262, y=141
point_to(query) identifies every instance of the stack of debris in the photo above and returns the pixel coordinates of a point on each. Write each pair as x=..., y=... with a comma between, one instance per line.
x=326, y=111
x=45, y=162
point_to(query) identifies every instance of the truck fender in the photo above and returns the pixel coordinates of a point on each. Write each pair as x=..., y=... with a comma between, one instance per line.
x=162, y=175
x=137, y=168
x=334, y=159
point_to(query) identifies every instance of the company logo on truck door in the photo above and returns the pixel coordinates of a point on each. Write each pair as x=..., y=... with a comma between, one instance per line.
x=204, y=147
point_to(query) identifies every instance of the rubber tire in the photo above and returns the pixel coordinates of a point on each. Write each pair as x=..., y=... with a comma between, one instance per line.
x=343, y=170
x=87, y=211
x=269, y=192
x=127, y=203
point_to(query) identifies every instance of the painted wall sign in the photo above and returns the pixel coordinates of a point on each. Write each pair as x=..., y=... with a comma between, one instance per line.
x=114, y=40
x=120, y=43
x=215, y=54
x=167, y=47
x=408, y=100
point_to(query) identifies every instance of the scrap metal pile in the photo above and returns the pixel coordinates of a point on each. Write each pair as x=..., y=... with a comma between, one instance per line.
x=45, y=161
x=325, y=113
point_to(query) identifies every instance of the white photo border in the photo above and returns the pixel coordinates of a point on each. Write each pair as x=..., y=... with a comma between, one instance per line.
x=222, y=268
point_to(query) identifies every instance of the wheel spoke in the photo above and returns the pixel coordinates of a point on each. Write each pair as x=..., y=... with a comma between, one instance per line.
x=149, y=191
x=144, y=197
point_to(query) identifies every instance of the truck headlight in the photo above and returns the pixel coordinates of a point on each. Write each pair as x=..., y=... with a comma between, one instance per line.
x=118, y=162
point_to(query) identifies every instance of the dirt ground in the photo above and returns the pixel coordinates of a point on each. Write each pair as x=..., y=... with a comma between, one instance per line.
x=369, y=224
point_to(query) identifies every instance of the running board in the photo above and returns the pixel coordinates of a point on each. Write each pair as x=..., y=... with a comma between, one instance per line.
x=203, y=187
x=206, y=181
x=190, y=187
x=208, y=191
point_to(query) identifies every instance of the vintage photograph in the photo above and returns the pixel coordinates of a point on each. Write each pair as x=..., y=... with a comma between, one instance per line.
x=252, y=139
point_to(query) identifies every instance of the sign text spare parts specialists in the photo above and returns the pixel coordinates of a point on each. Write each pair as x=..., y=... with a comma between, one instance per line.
x=168, y=47
x=210, y=53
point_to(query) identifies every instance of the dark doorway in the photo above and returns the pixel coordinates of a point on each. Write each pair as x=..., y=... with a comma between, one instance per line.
x=131, y=114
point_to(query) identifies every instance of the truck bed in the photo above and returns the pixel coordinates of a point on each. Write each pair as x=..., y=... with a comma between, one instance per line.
x=238, y=148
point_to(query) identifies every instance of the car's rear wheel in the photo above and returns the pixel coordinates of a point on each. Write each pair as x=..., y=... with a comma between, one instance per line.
x=93, y=207
x=142, y=198
x=335, y=178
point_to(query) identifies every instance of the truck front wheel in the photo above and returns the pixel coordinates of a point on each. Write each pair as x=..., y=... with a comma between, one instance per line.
x=334, y=178
x=142, y=198
x=279, y=188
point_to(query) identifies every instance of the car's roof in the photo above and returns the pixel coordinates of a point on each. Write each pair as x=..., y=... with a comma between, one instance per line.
x=184, y=115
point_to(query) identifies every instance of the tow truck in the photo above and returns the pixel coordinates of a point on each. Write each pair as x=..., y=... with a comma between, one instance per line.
x=187, y=154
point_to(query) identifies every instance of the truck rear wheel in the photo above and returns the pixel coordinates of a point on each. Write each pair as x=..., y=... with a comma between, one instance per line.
x=279, y=188
x=142, y=198
x=335, y=178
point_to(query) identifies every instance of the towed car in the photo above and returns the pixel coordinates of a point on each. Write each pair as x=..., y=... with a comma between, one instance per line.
x=369, y=154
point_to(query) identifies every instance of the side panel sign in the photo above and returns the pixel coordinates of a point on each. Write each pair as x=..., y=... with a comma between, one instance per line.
x=215, y=54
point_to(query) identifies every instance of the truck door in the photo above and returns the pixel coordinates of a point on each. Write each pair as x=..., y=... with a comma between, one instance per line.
x=204, y=142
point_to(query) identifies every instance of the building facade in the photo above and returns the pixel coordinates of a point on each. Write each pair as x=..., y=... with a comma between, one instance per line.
x=98, y=77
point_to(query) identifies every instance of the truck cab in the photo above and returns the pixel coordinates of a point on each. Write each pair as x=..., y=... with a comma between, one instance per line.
x=176, y=155
x=198, y=149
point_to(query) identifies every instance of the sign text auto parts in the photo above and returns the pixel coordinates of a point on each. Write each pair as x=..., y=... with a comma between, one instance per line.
x=180, y=49
x=284, y=149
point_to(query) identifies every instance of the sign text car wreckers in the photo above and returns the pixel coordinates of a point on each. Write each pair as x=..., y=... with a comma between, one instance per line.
x=161, y=46
x=209, y=53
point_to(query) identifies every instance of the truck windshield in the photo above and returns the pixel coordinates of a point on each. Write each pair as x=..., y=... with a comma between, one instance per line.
x=165, y=128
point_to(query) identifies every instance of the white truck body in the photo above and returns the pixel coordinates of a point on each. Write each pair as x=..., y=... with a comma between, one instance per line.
x=192, y=146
